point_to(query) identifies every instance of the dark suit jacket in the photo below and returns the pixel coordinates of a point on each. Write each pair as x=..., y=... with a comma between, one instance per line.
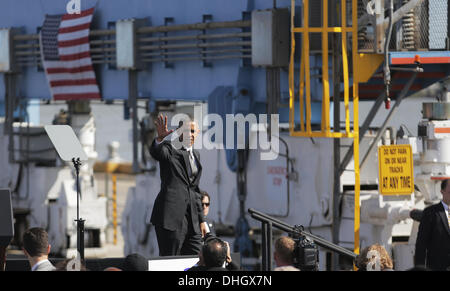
x=230, y=267
x=211, y=225
x=177, y=190
x=433, y=239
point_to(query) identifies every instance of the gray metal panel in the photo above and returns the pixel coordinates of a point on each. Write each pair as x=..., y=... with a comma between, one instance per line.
x=436, y=111
x=270, y=38
x=125, y=41
x=262, y=38
x=6, y=218
x=5, y=50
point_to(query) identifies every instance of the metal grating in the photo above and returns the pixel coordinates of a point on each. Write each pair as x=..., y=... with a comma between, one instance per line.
x=423, y=28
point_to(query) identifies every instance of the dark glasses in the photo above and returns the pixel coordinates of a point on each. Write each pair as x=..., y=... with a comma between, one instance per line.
x=205, y=204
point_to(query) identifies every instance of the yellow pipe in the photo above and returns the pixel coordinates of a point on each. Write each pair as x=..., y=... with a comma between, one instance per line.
x=322, y=134
x=302, y=90
x=320, y=29
x=307, y=66
x=325, y=77
x=345, y=68
x=291, y=72
x=114, y=198
x=356, y=122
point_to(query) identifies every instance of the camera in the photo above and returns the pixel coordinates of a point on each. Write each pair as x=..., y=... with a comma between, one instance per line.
x=306, y=253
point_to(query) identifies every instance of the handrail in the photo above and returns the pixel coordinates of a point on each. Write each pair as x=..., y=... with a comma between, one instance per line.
x=288, y=228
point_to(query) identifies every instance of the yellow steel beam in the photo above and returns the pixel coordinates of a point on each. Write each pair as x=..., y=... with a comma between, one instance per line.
x=325, y=77
x=291, y=73
x=114, y=200
x=345, y=67
x=356, y=123
x=322, y=134
x=302, y=90
x=322, y=29
x=307, y=66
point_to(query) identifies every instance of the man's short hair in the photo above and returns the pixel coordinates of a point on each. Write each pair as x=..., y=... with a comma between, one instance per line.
x=284, y=247
x=35, y=241
x=444, y=184
x=214, y=252
x=135, y=262
x=205, y=194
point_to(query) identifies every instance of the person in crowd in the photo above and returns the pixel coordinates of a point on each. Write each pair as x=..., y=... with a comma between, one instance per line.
x=284, y=254
x=215, y=256
x=135, y=262
x=433, y=238
x=374, y=258
x=177, y=212
x=206, y=202
x=36, y=248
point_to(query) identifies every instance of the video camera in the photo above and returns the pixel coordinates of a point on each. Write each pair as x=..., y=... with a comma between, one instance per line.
x=306, y=252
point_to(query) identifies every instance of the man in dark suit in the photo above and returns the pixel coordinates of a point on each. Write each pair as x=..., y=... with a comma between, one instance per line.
x=433, y=238
x=206, y=202
x=177, y=211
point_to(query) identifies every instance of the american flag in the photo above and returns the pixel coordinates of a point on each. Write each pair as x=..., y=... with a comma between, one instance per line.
x=66, y=56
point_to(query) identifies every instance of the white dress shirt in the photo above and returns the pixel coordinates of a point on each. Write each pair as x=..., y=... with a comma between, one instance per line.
x=37, y=264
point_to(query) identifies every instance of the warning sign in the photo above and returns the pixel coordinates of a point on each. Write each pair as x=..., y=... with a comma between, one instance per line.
x=395, y=168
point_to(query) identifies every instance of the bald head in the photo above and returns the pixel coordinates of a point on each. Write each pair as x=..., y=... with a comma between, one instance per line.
x=214, y=252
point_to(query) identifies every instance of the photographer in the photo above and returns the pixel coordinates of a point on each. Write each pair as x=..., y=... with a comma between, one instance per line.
x=215, y=256
x=284, y=254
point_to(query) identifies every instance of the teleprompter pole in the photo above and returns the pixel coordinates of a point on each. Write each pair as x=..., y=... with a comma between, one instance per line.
x=80, y=222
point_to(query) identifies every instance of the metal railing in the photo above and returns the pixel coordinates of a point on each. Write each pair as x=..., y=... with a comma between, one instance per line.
x=269, y=222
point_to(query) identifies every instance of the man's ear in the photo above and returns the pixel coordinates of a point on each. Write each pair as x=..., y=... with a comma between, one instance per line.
x=25, y=252
x=48, y=249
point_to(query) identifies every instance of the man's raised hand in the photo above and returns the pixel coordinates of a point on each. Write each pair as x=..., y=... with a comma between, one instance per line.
x=161, y=127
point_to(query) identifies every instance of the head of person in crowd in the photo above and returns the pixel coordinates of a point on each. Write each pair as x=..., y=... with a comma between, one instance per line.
x=374, y=258
x=135, y=262
x=36, y=248
x=206, y=201
x=445, y=190
x=213, y=253
x=284, y=251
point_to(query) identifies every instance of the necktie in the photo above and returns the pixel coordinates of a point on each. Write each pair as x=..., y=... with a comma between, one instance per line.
x=194, y=169
x=192, y=162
